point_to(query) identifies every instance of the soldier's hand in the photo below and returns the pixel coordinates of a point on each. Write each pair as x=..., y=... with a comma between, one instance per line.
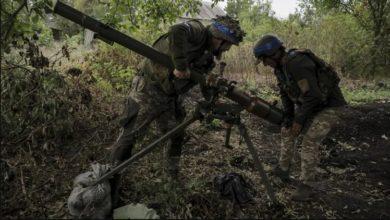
x=181, y=74
x=296, y=129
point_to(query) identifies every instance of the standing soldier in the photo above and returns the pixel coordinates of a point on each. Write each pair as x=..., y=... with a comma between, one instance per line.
x=311, y=100
x=156, y=91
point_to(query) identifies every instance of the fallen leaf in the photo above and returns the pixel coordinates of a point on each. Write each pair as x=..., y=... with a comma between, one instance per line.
x=321, y=171
x=267, y=168
x=46, y=146
x=346, y=146
x=356, y=211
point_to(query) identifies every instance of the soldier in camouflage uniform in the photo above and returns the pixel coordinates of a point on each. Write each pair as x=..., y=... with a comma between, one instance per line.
x=155, y=94
x=312, y=101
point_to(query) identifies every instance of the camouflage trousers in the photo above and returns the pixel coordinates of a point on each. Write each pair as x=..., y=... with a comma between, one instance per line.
x=313, y=133
x=148, y=104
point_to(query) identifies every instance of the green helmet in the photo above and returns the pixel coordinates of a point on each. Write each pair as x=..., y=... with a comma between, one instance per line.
x=227, y=28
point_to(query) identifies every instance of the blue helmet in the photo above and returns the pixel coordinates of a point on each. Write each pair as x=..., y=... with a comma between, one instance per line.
x=267, y=46
x=227, y=28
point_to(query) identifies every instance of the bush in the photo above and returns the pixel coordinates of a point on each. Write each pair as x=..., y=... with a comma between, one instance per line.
x=43, y=107
x=113, y=64
x=336, y=37
x=45, y=37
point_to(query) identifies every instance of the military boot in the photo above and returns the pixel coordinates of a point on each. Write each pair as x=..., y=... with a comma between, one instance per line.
x=115, y=183
x=284, y=176
x=303, y=193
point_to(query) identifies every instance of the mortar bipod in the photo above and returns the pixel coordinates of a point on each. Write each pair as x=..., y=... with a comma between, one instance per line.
x=232, y=117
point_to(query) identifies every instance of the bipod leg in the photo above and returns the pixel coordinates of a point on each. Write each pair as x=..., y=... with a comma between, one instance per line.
x=148, y=148
x=227, y=137
x=258, y=164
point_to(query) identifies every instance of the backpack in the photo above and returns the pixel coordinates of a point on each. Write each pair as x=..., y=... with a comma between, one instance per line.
x=326, y=75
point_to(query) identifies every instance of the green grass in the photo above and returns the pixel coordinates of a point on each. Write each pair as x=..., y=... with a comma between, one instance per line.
x=355, y=91
x=260, y=90
x=366, y=95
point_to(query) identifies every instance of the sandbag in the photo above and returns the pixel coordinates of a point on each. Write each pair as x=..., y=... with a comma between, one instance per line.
x=91, y=201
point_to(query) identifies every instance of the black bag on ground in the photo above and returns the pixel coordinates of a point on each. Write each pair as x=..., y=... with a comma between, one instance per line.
x=233, y=186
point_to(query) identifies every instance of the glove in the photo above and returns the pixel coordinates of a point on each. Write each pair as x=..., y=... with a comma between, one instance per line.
x=295, y=129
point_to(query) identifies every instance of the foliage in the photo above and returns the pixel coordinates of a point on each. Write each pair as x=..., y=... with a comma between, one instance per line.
x=42, y=107
x=36, y=105
x=235, y=7
x=345, y=43
x=360, y=91
x=112, y=66
x=46, y=36
x=365, y=95
x=73, y=41
x=19, y=18
x=22, y=18
x=371, y=15
x=131, y=15
x=214, y=124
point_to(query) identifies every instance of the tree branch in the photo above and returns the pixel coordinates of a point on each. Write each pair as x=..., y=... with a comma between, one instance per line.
x=13, y=18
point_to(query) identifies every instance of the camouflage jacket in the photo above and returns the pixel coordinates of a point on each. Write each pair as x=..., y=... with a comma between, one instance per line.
x=301, y=85
x=189, y=46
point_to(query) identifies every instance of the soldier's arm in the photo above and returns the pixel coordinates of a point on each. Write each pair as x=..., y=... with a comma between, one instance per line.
x=179, y=35
x=303, y=71
x=288, y=107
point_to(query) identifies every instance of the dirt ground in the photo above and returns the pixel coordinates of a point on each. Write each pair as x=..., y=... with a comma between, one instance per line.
x=354, y=173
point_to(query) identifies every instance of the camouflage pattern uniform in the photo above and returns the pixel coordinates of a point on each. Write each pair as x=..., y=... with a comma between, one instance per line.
x=156, y=92
x=312, y=101
x=155, y=95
